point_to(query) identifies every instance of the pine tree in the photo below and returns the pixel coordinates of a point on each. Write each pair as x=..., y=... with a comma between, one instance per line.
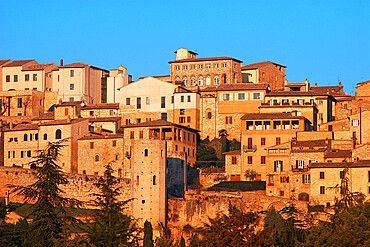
x=111, y=227
x=49, y=210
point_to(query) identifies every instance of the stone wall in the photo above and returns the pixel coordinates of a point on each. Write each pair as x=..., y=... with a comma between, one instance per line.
x=207, y=180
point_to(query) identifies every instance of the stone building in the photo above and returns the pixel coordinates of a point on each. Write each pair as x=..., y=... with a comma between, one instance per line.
x=195, y=72
x=265, y=72
x=232, y=165
x=117, y=79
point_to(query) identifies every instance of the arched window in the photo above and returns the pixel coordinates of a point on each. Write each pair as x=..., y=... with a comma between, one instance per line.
x=209, y=115
x=185, y=80
x=45, y=136
x=58, y=134
x=96, y=158
x=224, y=79
x=216, y=80
x=192, y=80
x=154, y=180
x=200, y=80
x=177, y=78
x=146, y=152
x=36, y=136
x=208, y=80
x=25, y=137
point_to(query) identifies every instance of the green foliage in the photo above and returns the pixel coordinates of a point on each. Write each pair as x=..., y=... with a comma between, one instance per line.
x=235, y=229
x=49, y=210
x=234, y=145
x=238, y=186
x=148, y=235
x=206, y=153
x=12, y=235
x=111, y=227
x=250, y=174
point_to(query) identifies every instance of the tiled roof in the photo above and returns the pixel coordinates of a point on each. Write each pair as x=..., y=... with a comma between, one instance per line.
x=235, y=152
x=4, y=61
x=237, y=86
x=358, y=164
x=102, y=106
x=297, y=93
x=94, y=135
x=69, y=103
x=362, y=83
x=204, y=59
x=257, y=116
x=311, y=143
x=159, y=122
x=22, y=126
x=18, y=63
x=338, y=154
x=38, y=66
x=81, y=65
x=44, y=116
x=332, y=90
x=62, y=122
x=259, y=65
x=104, y=119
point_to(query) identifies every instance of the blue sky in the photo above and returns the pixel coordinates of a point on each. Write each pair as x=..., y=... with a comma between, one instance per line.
x=320, y=40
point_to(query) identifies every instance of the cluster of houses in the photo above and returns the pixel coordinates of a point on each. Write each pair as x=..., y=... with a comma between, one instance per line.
x=297, y=137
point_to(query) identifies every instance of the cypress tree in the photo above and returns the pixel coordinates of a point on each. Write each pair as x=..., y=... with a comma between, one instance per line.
x=148, y=234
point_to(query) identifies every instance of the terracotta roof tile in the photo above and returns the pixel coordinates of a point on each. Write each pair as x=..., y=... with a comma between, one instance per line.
x=362, y=83
x=204, y=59
x=358, y=164
x=104, y=119
x=18, y=63
x=62, y=122
x=312, y=143
x=159, y=122
x=69, y=103
x=338, y=154
x=38, y=66
x=44, y=116
x=94, y=135
x=259, y=65
x=237, y=86
x=297, y=93
x=22, y=126
x=4, y=61
x=257, y=116
x=102, y=106
x=80, y=65
x=235, y=152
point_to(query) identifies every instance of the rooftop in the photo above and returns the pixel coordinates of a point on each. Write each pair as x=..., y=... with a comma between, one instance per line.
x=104, y=119
x=159, y=122
x=38, y=66
x=4, y=61
x=257, y=116
x=18, y=63
x=338, y=154
x=102, y=106
x=235, y=152
x=69, y=103
x=237, y=86
x=358, y=164
x=81, y=65
x=20, y=127
x=260, y=65
x=297, y=93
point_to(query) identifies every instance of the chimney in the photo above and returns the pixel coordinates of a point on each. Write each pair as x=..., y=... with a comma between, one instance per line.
x=11, y=125
x=340, y=84
x=68, y=119
x=60, y=101
x=61, y=62
x=315, y=84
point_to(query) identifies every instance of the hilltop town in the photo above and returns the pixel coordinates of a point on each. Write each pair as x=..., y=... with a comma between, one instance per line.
x=298, y=137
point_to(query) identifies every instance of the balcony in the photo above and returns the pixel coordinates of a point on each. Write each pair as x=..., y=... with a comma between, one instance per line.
x=249, y=148
x=296, y=169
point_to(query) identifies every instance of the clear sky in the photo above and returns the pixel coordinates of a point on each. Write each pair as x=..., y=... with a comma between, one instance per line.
x=320, y=40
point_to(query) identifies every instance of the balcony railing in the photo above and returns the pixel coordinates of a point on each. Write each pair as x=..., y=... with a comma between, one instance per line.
x=249, y=148
x=296, y=169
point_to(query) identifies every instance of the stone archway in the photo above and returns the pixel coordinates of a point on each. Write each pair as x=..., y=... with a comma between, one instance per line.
x=304, y=197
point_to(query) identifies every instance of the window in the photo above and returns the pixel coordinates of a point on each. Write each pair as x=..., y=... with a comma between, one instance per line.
x=7, y=78
x=322, y=175
x=209, y=115
x=154, y=180
x=215, y=65
x=66, y=111
x=35, y=77
x=250, y=160
x=208, y=80
x=185, y=80
x=15, y=78
x=22, y=154
x=91, y=145
x=241, y=96
x=72, y=73
x=200, y=66
x=132, y=135
x=185, y=67
x=20, y=103
x=341, y=174
x=28, y=153
x=216, y=80
x=27, y=77
x=138, y=103
x=71, y=99
x=192, y=67
x=200, y=80
x=263, y=160
x=281, y=193
x=114, y=143
x=164, y=116
x=96, y=158
x=226, y=96
x=91, y=113
x=256, y=95
x=45, y=136
x=192, y=80
x=345, y=106
x=322, y=190
x=189, y=98
x=278, y=140
x=224, y=65
x=263, y=141
x=233, y=160
x=229, y=120
x=188, y=119
x=182, y=98
x=128, y=121
x=368, y=176
x=299, y=164
x=177, y=67
x=31, y=137
x=138, y=120
x=148, y=119
x=58, y=134
x=25, y=137
x=284, y=179
x=278, y=166
x=330, y=128
x=320, y=102
x=147, y=100
x=177, y=78
x=11, y=154
x=141, y=134
x=163, y=102
x=306, y=178
x=355, y=122
x=182, y=119
x=208, y=66
x=146, y=152
x=71, y=86
x=271, y=180
x=128, y=101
